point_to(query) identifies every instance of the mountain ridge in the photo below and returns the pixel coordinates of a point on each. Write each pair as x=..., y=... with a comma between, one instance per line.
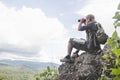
x=28, y=64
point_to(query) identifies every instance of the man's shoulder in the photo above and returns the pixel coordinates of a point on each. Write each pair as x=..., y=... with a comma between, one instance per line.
x=91, y=23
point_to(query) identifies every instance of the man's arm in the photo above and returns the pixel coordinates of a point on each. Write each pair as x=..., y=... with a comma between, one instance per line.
x=86, y=27
x=80, y=27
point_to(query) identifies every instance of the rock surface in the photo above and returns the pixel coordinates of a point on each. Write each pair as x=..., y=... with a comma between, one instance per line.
x=86, y=66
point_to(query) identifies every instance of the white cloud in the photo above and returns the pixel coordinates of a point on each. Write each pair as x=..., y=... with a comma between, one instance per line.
x=29, y=27
x=104, y=10
x=11, y=56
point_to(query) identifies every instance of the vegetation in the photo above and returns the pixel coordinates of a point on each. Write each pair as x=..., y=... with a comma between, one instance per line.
x=8, y=72
x=47, y=74
x=111, y=70
x=22, y=70
x=15, y=73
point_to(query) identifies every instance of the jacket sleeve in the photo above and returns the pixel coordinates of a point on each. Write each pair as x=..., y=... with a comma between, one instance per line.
x=86, y=27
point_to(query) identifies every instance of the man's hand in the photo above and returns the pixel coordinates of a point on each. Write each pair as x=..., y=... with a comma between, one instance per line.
x=82, y=20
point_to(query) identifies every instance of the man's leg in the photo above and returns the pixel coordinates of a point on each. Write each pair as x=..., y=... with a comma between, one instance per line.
x=73, y=43
x=79, y=44
x=69, y=48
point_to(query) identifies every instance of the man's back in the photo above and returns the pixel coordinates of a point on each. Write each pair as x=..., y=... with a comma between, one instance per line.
x=92, y=41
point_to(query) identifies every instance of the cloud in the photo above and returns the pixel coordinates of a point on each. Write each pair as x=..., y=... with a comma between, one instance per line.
x=19, y=50
x=11, y=56
x=30, y=30
x=104, y=10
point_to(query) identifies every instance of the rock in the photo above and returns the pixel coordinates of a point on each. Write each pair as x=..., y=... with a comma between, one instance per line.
x=106, y=49
x=86, y=66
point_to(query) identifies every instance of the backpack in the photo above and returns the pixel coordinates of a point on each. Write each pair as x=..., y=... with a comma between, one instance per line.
x=101, y=35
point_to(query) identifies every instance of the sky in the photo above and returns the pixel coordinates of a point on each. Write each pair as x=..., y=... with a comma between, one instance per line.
x=39, y=30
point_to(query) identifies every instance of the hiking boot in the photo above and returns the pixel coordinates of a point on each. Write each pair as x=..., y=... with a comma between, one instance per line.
x=65, y=59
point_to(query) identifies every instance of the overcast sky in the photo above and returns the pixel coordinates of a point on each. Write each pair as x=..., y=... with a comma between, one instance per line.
x=38, y=30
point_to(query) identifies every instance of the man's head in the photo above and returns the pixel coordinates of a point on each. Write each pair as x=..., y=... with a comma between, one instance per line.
x=89, y=18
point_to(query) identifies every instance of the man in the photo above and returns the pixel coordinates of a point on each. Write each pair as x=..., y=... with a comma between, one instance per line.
x=91, y=44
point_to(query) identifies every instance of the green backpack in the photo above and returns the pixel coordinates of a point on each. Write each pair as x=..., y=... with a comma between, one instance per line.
x=101, y=35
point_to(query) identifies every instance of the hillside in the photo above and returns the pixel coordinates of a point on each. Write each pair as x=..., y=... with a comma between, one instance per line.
x=22, y=70
x=27, y=64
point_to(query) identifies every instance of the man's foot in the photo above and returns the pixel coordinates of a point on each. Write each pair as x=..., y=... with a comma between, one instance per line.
x=65, y=59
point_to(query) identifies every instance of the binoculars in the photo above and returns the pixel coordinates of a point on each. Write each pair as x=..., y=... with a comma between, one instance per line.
x=84, y=20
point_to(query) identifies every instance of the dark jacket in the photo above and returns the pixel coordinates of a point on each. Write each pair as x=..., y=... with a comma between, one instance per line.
x=91, y=29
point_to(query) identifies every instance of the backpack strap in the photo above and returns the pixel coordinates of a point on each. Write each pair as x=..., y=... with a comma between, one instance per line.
x=100, y=28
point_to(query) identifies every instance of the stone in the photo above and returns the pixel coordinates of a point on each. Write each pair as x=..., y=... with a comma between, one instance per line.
x=86, y=66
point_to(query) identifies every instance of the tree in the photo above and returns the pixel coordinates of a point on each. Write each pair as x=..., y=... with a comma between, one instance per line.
x=112, y=67
x=47, y=74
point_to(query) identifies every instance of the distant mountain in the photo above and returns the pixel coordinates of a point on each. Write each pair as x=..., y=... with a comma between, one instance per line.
x=28, y=64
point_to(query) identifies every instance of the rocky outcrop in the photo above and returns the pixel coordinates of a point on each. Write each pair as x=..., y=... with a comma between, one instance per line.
x=86, y=66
